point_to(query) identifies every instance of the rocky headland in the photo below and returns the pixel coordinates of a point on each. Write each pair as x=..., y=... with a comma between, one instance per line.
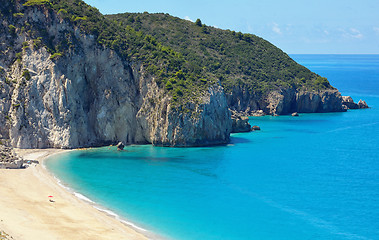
x=65, y=82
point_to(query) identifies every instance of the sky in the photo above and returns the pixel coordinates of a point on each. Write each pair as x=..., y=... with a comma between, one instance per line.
x=295, y=26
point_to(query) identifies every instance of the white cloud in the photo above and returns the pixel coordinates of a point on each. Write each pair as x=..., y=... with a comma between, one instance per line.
x=276, y=29
x=188, y=18
x=376, y=30
x=355, y=33
x=351, y=33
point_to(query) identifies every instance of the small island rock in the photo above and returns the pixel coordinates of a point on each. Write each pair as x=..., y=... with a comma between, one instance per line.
x=348, y=102
x=255, y=128
x=295, y=114
x=362, y=104
x=120, y=146
x=240, y=124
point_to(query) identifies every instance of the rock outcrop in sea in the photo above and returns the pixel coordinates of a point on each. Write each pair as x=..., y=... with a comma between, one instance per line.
x=349, y=103
x=240, y=124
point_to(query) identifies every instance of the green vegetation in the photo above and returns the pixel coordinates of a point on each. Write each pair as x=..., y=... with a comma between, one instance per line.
x=37, y=43
x=159, y=60
x=25, y=45
x=322, y=83
x=16, y=105
x=26, y=74
x=55, y=56
x=12, y=30
x=8, y=118
x=234, y=58
x=36, y=2
x=18, y=14
x=19, y=57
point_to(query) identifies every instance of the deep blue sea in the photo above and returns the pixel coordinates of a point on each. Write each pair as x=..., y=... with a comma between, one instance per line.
x=310, y=177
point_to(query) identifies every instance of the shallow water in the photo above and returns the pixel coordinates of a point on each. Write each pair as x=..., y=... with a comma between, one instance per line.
x=310, y=177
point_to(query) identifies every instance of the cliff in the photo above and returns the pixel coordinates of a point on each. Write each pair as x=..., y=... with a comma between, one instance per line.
x=71, y=77
x=90, y=95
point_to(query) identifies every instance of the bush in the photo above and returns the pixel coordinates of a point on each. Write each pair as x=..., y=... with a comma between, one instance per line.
x=36, y=2
x=56, y=56
x=169, y=85
x=198, y=22
x=26, y=74
x=37, y=43
x=12, y=29
x=18, y=14
x=19, y=56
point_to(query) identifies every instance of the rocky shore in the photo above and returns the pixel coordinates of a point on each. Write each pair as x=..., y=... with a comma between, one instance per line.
x=92, y=96
x=9, y=159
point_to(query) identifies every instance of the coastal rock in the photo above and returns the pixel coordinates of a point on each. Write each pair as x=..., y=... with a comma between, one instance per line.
x=240, y=124
x=255, y=128
x=362, y=104
x=286, y=101
x=120, y=146
x=257, y=113
x=295, y=114
x=9, y=159
x=349, y=103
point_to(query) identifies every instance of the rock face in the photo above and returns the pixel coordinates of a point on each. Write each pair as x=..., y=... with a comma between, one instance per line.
x=8, y=159
x=350, y=104
x=286, y=101
x=206, y=123
x=90, y=96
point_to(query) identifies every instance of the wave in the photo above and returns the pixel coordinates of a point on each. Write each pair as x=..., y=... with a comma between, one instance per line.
x=350, y=127
x=110, y=213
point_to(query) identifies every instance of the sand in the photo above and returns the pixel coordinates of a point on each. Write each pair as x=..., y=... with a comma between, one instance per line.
x=27, y=213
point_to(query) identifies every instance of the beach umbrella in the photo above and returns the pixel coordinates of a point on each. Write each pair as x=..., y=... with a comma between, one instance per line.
x=50, y=196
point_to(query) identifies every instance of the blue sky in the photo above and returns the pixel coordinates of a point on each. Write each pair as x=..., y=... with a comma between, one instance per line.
x=295, y=26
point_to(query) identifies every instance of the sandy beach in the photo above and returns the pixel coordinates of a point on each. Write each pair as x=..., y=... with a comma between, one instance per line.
x=27, y=213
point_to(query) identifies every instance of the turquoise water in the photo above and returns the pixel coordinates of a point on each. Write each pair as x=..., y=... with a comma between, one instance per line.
x=311, y=177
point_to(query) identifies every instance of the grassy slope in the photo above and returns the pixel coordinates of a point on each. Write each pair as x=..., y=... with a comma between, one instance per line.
x=232, y=57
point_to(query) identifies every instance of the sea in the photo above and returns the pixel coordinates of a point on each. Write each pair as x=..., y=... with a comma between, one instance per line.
x=315, y=176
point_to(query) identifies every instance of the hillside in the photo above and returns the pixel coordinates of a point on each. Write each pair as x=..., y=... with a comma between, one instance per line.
x=72, y=77
x=239, y=61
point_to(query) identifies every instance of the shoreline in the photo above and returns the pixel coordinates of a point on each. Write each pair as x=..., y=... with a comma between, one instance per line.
x=27, y=213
